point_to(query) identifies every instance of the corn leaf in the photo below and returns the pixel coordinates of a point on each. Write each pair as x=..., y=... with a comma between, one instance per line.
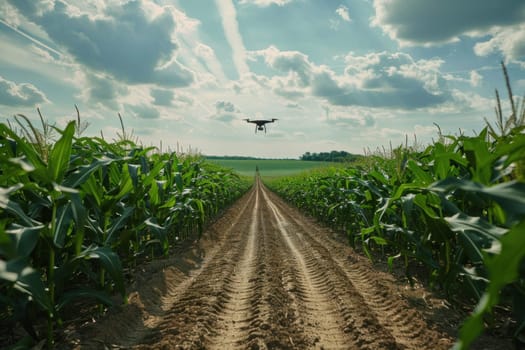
x=61, y=153
x=26, y=280
x=14, y=208
x=21, y=241
x=509, y=195
x=117, y=223
x=503, y=269
x=109, y=260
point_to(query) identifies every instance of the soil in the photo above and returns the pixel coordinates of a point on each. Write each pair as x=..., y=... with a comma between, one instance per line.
x=263, y=276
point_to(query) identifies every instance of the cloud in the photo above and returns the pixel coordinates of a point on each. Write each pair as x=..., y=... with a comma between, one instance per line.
x=417, y=22
x=230, y=25
x=265, y=3
x=287, y=61
x=181, y=100
x=143, y=111
x=167, y=98
x=206, y=55
x=354, y=118
x=342, y=11
x=475, y=78
x=509, y=41
x=380, y=80
x=295, y=67
x=466, y=101
x=225, y=106
x=196, y=55
x=50, y=52
x=286, y=92
x=20, y=95
x=162, y=97
x=226, y=112
x=99, y=89
x=390, y=80
x=124, y=41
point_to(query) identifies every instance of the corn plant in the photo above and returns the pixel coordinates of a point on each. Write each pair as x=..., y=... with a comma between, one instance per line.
x=74, y=217
x=456, y=207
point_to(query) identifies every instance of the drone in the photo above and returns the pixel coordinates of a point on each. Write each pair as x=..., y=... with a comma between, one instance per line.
x=260, y=124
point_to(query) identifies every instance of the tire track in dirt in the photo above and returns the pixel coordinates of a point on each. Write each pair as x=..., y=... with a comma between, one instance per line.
x=340, y=320
x=265, y=277
x=196, y=314
x=261, y=315
x=237, y=315
x=405, y=324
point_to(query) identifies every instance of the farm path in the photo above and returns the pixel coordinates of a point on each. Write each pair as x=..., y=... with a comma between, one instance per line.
x=264, y=277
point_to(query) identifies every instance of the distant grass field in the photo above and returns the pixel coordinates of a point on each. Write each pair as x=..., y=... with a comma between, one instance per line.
x=269, y=167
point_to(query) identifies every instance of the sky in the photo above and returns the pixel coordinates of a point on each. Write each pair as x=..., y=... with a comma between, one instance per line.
x=351, y=75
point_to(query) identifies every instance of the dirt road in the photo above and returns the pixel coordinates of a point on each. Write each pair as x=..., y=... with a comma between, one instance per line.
x=264, y=277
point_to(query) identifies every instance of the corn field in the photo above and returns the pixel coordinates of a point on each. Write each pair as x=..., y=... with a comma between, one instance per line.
x=456, y=207
x=76, y=213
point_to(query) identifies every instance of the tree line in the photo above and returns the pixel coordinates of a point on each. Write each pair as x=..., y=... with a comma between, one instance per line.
x=332, y=156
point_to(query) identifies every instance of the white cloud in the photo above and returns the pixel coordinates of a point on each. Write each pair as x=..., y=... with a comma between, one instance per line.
x=20, y=94
x=467, y=101
x=231, y=31
x=342, y=11
x=424, y=130
x=381, y=80
x=207, y=56
x=475, y=78
x=284, y=87
x=294, y=67
x=348, y=117
x=118, y=42
x=197, y=56
x=143, y=111
x=265, y=3
x=287, y=61
x=226, y=111
x=510, y=41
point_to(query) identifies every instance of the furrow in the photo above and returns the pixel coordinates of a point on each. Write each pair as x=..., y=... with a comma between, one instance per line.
x=237, y=317
x=393, y=313
x=191, y=310
x=405, y=323
x=322, y=311
x=276, y=326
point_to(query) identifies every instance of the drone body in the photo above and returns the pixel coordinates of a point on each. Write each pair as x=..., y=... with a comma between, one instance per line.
x=260, y=124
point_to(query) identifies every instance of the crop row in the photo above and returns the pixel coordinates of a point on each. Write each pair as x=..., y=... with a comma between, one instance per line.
x=456, y=207
x=74, y=214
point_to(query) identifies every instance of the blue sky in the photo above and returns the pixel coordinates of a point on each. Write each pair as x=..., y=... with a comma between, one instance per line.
x=339, y=75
